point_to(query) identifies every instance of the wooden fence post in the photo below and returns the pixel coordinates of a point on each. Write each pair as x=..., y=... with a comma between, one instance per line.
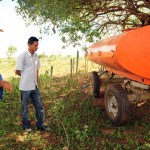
x=86, y=65
x=71, y=67
x=77, y=62
x=51, y=70
x=73, y=64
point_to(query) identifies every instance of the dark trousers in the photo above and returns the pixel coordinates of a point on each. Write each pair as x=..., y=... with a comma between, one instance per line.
x=34, y=95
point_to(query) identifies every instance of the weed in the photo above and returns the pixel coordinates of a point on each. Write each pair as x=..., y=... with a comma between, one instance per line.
x=74, y=121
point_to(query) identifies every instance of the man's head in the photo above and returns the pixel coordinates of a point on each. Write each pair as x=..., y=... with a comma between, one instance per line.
x=33, y=43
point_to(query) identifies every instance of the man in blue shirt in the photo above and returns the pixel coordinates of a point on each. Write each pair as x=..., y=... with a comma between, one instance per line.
x=4, y=84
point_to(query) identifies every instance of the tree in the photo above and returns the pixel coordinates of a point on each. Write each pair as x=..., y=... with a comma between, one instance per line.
x=89, y=18
x=11, y=50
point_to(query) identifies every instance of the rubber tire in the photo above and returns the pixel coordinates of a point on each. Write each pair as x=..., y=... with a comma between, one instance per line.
x=123, y=103
x=95, y=81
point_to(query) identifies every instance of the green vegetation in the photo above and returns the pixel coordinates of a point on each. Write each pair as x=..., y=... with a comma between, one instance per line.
x=11, y=50
x=74, y=116
x=84, y=20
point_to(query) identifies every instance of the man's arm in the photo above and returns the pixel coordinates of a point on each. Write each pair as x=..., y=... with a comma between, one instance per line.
x=6, y=85
x=1, y=83
x=38, y=67
x=18, y=72
x=37, y=76
x=20, y=64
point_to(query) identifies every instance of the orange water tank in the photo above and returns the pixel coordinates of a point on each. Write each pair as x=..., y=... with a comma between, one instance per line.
x=127, y=54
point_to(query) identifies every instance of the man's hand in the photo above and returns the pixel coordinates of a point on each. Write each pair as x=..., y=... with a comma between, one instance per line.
x=6, y=85
x=18, y=72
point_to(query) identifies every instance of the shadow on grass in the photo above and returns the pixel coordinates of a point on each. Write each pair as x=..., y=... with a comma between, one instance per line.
x=76, y=119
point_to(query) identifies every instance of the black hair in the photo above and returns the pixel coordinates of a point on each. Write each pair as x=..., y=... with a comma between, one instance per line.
x=32, y=39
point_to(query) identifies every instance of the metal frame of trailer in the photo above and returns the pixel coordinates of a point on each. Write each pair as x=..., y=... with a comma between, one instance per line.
x=120, y=92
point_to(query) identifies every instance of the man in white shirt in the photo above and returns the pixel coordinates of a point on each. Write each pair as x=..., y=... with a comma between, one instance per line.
x=27, y=67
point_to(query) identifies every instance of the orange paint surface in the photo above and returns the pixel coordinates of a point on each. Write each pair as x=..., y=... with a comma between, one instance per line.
x=127, y=54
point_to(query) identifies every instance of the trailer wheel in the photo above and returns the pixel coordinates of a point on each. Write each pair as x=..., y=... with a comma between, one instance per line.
x=95, y=84
x=116, y=104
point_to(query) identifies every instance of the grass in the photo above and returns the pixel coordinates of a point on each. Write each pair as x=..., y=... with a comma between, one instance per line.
x=74, y=116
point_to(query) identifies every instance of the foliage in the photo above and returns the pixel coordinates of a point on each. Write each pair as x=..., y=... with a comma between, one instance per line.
x=70, y=109
x=87, y=20
x=11, y=50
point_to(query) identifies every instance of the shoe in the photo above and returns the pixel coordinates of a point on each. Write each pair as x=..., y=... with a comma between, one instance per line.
x=44, y=128
x=27, y=130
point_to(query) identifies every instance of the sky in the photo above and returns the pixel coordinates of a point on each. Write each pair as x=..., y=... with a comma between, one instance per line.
x=16, y=33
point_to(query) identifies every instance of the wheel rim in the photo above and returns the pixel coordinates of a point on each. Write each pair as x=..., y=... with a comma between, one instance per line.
x=112, y=105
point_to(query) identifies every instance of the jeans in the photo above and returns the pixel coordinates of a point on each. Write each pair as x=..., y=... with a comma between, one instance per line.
x=34, y=95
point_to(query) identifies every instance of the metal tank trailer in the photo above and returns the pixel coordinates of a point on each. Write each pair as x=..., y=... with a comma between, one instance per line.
x=126, y=74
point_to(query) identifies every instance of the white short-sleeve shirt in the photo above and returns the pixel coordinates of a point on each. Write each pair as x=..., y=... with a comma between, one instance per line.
x=28, y=65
